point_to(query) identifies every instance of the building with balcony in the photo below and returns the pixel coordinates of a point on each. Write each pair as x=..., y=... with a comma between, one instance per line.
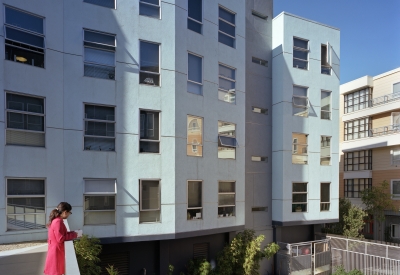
x=370, y=142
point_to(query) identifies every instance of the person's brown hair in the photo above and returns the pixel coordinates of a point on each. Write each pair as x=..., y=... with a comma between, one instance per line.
x=62, y=206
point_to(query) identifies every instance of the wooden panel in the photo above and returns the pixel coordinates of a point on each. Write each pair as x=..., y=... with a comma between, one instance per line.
x=381, y=159
x=388, y=175
x=381, y=120
x=384, y=85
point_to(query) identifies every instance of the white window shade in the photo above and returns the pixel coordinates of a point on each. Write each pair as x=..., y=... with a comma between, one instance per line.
x=100, y=186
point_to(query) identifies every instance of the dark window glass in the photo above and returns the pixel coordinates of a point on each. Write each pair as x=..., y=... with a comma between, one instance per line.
x=104, y=3
x=195, y=9
x=24, y=20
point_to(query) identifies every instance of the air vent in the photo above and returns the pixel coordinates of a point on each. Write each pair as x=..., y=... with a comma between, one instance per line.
x=200, y=251
x=259, y=14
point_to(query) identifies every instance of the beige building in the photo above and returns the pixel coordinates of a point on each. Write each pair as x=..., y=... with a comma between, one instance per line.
x=370, y=143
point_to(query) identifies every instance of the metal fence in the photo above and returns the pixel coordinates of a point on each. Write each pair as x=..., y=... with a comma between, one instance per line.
x=369, y=257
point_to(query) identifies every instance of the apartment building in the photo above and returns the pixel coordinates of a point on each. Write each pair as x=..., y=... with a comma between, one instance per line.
x=305, y=114
x=370, y=143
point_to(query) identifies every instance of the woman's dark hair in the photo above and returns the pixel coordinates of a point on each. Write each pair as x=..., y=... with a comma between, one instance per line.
x=62, y=206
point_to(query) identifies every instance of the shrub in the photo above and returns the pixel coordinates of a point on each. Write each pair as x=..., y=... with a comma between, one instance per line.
x=87, y=251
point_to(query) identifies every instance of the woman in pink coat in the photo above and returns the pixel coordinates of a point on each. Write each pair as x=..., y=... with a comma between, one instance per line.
x=57, y=235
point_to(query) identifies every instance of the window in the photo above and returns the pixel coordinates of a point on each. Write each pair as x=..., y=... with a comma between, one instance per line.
x=226, y=32
x=299, y=197
x=149, y=132
x=358, y=160
x=195, y=208
x=149, y=63
x=99, y=54
x=195, y=74
x=99, y=201
x=99, y=128
x=325, y=67
x=103, y=3
x=325, y=105
x=299, y=148
x=357, y=100
x=300, y=53
x=24, y=37
x=259, y=209
x=396, y=87
x=356, y=129
x=195, y=16
x=353, y=187
x=396, y=188
x=227, y=142
x=395, y=228
x=325, y=150
x=259, y=14
x=396, y=120
x=25, y=204
x=25, y=120
x=194, y=136
x=226, y=199
x=256, y=158
x=259, y=110
x=259, y=61
x=149, y=8
x=325, y=196
x=227, y=84
x=395, y=156
x=150, y=205
x=300, y=101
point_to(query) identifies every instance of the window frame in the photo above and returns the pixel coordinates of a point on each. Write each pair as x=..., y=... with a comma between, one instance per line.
x=302, y=50
x=187, y=135
x=115, y=4
x=356, y=97
x=367, y=160
x=296, y=203
x=229, y=23
x=330, y=105
x=192, y=19
x=159, y=200
x=227, y=205
x=221, y=145
x=259, y=61
x=394, y=196
x=347, y=191
x=100, y=194
x=392, y=225
x=328, y=66
x=152, y=5
x=263, y=111
x=159, y=63
x=259, y=158
x=294, y=105
x=159, y=132
x=367, y=127
x=227, y=92
x=395, y=156
x=6, y=25
x=187, y=201
x=295, y=145
x=101, y=121
x=322, y=147
x=325, y=204
x=25, y=196
x=202, y=73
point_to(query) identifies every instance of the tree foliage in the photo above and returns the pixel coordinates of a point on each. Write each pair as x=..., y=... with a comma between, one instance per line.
x=87, y=251
x=354, y=222
x=341, y=271
x=111, y=270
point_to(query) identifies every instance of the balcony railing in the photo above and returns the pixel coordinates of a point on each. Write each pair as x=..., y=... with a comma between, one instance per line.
x=384, y=99
x=385, y=130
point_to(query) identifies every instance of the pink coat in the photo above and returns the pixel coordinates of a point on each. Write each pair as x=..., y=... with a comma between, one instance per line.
x=55, y=260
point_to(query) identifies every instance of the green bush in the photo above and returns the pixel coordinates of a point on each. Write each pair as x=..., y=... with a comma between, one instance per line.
x=87, y=251
x=341, y=271
x=111, y=271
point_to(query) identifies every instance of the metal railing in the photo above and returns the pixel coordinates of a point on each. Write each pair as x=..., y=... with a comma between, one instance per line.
x=384, y=130
x=384, y=99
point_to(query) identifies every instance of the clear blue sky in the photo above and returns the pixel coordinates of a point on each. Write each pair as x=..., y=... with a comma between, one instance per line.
x=369, y=31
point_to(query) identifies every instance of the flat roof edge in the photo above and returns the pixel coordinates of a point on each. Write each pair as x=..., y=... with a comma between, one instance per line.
x=306, y=19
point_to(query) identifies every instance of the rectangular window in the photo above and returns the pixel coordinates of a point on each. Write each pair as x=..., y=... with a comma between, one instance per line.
x=395, y=156
x=195, y=205
x=325, y=150
x=353, y=187
x=396, y=87
x=150, y=201
x=25, y=120
x=259, y=110
x=194, y=136
x=299, y=197
x=325, y=67
x=99, y=54
x=300, y=101
x=226, y=199
x=259, y=61
x=103, y=3
x=149, y=63
x=259, y=209
x=299, y=148
x=226, y=31
x=356, y=129
x=358, y=160
x=99, y=201
x=25, y=204
x=195, y=16
x=257, y=158
x=395, y=231
x=227, y=84
x=149, y=132
x=325, y=196
x=150, y=8
x=227, y=142
x=325, y=105
x=24, y=37
x=300, y=53
x=195, y=74
x=99, y=128
x=357, y=100
x=396, y=188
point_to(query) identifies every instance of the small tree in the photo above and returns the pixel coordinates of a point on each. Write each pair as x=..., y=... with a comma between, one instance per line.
x=111, y=270
x=354, y=222
x=377, y=199
x=87, y=251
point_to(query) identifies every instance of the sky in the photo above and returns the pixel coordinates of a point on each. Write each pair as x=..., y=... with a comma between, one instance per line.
x=369, y=32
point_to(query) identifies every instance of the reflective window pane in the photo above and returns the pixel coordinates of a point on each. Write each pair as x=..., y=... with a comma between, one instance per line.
x=195, y=68
x=149, y=57
x=23, y=20
x=195, y=9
